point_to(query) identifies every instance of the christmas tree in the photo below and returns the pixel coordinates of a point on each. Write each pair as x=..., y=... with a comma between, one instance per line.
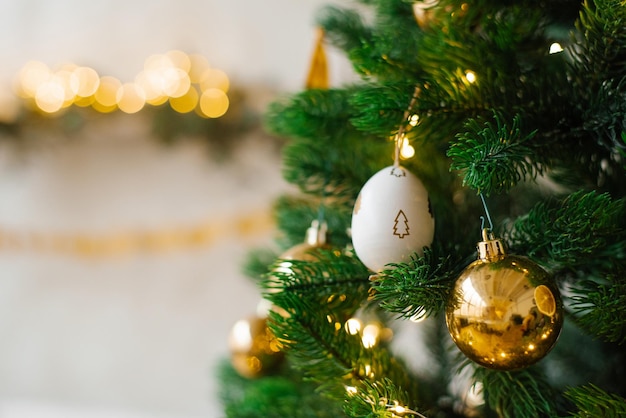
x=516, y=113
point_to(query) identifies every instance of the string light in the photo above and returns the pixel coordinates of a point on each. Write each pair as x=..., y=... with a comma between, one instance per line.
x=555, y=48
x=406, y=149
x=470, y=76
x=186, y=82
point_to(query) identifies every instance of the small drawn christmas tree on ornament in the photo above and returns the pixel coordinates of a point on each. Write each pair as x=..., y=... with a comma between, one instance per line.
x=402, y=220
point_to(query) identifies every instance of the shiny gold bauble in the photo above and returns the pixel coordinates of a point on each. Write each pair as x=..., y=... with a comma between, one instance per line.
x=255, y=351
x=504, y=312
x=314, y=240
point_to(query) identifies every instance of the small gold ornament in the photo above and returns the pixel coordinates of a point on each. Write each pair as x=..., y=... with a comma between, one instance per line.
x=255, y=351
x=504, y=312
x=315, y=239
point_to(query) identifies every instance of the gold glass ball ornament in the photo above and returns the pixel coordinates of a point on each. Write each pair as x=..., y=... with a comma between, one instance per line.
x=314, y=239
x=255, y=351
x=504, y=313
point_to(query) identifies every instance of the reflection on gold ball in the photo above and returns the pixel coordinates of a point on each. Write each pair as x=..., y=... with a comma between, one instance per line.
x=504, y=313
x=255, y=351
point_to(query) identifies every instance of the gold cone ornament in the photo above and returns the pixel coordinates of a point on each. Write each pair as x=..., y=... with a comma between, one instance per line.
x=504, y=313
x=317, y=78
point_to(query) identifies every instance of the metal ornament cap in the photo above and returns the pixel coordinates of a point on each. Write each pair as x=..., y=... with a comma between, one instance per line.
x=505, y=313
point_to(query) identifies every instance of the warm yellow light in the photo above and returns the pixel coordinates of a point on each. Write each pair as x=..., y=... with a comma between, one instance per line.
x=470, y=76
x=185, y=103
x=88, y=81
x=213, y=78
x=179, y=59
x=240, y=336
x=198, y=66
x=175, y=82
x=399, y=409
x=214, y=103
x=555, y=48
x=106, y=95
x=157, y=62
x=70, y=85
x=351, y=390
x=370, y=335
x=130, y=98
x=414, y=119
x=418, y=317
x=84, y=101
x=31, y=76
x=406, y=150
x=353, y=326
x=50, y=95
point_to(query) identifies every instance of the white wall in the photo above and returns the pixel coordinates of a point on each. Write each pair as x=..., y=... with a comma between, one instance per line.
x=135, y=334
x=267, y=41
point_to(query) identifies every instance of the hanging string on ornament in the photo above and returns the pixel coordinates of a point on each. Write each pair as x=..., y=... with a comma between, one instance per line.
x=505, y=312
x=392, y=217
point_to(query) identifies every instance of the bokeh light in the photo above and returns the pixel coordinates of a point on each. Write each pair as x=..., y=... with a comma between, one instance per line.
x=106, y=95
x=186, y=81
x=213, y=78
x=187, y=102
x=213, y=103
x=88, y=81
x=130, y=98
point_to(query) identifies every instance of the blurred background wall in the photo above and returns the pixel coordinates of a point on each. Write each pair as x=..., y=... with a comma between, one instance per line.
x=120, y=254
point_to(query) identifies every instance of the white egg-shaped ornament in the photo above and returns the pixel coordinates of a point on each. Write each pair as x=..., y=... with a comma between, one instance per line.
x=392, y=218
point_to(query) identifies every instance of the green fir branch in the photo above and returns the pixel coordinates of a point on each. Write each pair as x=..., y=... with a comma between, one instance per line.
x=284, y=394
x=517, y=394
x=583, y=230
x=591, y=402
x=290, y=211
x=600, y=52
x=314, y=113
x=332, y=272
x=417, y=289
x=379, y=399
x=600, y=308
x=495, y=158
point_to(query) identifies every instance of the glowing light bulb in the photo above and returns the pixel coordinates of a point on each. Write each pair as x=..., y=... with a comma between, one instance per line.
x=351, y=390
x=31, y=76
x=88, y=81
x=214, y=103
x=406, y=150
x=179, y=59
x=106, y=95
x=185, y=103
x=353, y=326
x=370, y=335
x=50, y=96
x=555, y=48
x=419, y=316
x=470, y=76
x=130, y=98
